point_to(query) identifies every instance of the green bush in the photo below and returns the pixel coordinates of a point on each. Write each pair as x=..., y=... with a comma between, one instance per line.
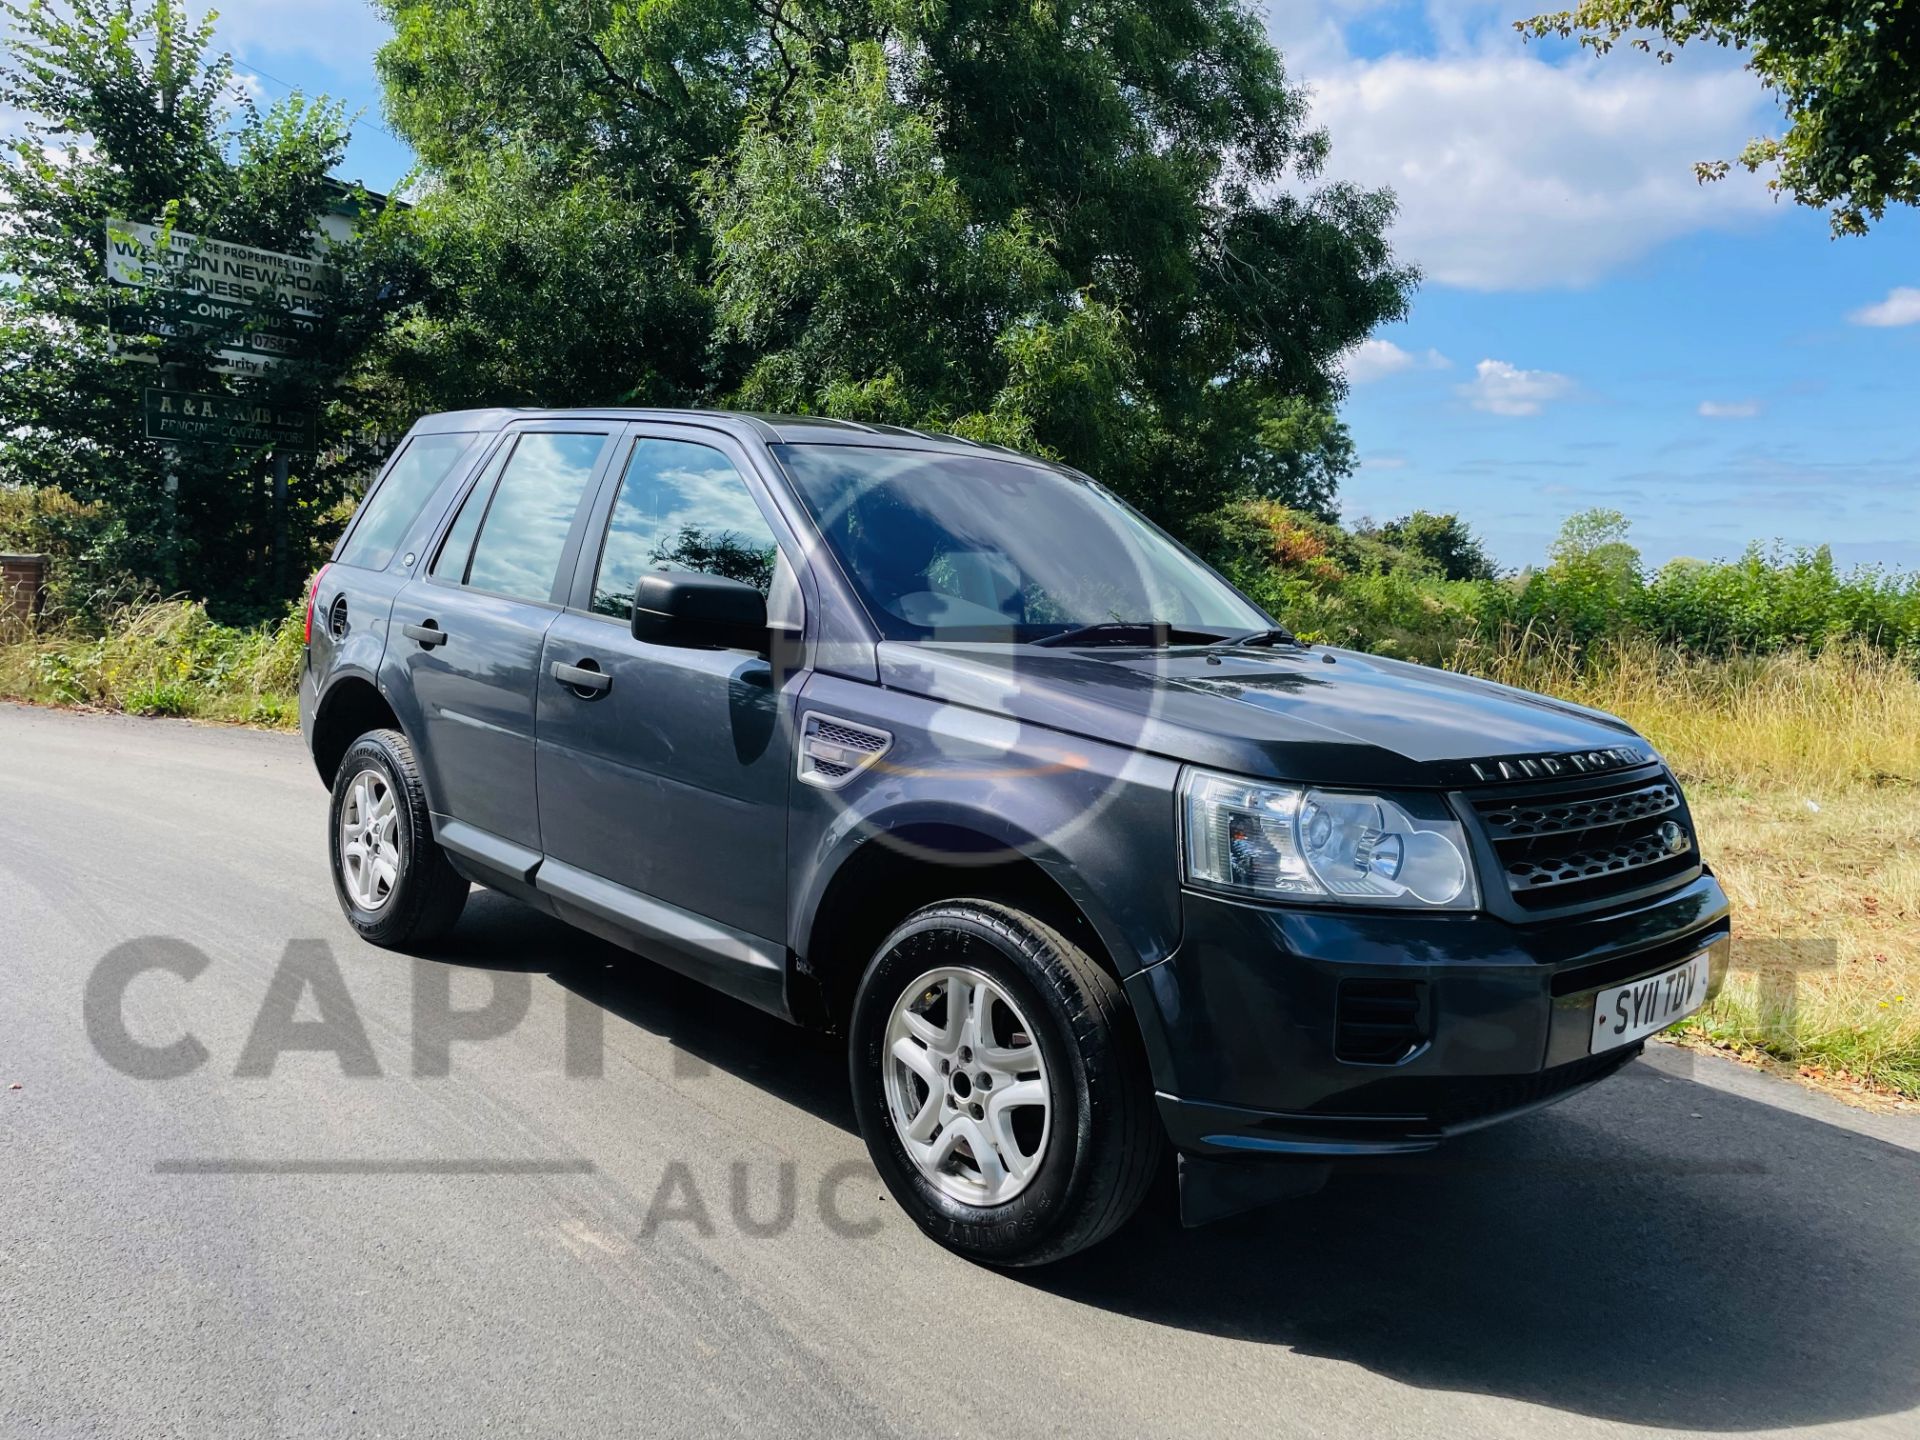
x=162, y=699
x=77, y=539
x=1772, y=600
x=1364, y=591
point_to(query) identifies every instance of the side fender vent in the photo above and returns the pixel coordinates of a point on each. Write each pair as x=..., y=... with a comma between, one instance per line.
x=337, y=617
x=833, y=751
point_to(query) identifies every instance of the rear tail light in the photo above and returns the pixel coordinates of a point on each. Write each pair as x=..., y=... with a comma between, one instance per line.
x=313, y=594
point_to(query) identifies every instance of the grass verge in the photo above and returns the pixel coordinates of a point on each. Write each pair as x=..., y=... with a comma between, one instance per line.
x=162, y=658
x=1804, y=777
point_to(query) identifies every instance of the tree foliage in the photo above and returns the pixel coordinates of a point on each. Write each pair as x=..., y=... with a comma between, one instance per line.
x=1847, y=73
x=129, y=116
x=1444, y=542
x=1094, y=228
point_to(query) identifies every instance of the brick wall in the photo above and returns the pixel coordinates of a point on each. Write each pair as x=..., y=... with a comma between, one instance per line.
x=23, y=587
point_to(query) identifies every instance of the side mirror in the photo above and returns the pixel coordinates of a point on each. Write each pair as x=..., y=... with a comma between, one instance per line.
x=684, y=607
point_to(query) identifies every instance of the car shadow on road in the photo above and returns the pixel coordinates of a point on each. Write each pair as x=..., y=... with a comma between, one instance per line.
x=1653, y=1251
x=705, y=1028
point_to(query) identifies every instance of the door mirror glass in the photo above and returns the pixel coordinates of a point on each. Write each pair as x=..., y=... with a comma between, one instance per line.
x=685, y=607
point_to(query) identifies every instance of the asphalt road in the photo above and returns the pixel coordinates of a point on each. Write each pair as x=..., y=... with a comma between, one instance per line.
x=263, y=1245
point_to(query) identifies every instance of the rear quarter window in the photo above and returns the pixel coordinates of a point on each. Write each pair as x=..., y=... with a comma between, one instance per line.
x=389, y=512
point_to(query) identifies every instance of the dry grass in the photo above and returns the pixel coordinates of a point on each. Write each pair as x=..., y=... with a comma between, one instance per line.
x=1847, y=718
x=1835, y=893
x=1804, y=775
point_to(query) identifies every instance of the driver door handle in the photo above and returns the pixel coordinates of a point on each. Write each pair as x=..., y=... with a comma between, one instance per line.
x=581, y=680
x=428, y=634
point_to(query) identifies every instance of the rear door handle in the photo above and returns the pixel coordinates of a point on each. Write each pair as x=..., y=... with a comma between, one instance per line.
x=583, y=681
x=428, y=634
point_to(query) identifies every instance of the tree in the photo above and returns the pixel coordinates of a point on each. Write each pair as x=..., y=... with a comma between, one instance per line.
x=1596, y=541
x=1847, y=73
x=1592, y=587
x=1443, y=541
x=1089, y=229
x=1305, y=451
x=129, y=118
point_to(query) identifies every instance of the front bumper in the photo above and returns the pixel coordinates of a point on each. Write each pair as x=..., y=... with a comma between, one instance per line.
x=1240, y=1022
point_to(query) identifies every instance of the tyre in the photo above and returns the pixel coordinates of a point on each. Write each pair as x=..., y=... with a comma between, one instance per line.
x=1001, y=1085
x=394, y=882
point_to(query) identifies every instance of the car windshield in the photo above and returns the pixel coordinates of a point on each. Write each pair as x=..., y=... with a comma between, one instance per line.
x=972, y=547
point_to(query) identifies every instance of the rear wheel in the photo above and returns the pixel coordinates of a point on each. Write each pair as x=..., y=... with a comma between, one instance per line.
x=1001, y=1086
x=394, y=882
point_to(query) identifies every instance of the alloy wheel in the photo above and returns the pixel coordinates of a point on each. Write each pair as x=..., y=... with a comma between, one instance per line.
x=966, y=1086
x=370, y=840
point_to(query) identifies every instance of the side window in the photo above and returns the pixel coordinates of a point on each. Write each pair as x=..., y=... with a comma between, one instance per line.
x=457, y=548
x=682, y=506
x=398, y=499
x=525, y=527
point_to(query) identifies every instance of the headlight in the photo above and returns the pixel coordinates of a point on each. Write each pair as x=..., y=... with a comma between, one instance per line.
x=1286, y=842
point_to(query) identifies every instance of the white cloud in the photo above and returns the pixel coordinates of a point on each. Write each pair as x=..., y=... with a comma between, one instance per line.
x=245, y=86
x=1729, y=409
x=342, y=33
x=1376, y=359
x=1901, y=307
x=1503, y=389
x=1383, y=462
x=1516, y=173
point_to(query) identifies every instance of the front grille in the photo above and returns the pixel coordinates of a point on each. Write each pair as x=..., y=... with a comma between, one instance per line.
x=1509, y=821
x=1594, y=864
x=1580, y=843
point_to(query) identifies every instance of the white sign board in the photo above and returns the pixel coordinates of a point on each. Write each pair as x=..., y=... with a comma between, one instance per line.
x=136, y=255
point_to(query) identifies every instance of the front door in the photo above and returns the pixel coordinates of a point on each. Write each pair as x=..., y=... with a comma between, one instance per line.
x=669, y=782
x=468, y=633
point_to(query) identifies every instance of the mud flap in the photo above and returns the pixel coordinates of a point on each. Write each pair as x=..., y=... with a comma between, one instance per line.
x=1214, y=1189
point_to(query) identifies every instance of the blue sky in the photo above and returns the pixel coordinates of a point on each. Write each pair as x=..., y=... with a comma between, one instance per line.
x=1594, y=327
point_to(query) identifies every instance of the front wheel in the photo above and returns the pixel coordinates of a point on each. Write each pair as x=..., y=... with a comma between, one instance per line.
x=1001, y=1086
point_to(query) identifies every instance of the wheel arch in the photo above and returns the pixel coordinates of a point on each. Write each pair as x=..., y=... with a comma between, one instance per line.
x=879, y=877
x=351, y=706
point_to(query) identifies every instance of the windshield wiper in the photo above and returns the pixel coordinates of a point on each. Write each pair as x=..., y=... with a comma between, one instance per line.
x=1263, y=637
x=1157, y=633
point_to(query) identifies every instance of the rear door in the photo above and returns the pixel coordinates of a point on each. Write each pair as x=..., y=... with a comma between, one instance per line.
x=670, y=780
x=468, y=632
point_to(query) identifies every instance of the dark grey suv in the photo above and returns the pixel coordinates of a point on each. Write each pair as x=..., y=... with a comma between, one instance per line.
x=946, y=749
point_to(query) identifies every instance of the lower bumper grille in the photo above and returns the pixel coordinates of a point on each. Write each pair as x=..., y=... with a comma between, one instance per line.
x=1379, y=1022
x=1445, y=1102
x=1469, y=1098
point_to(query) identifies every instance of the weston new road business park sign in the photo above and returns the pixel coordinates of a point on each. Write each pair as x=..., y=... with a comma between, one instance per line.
x=262, y=304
